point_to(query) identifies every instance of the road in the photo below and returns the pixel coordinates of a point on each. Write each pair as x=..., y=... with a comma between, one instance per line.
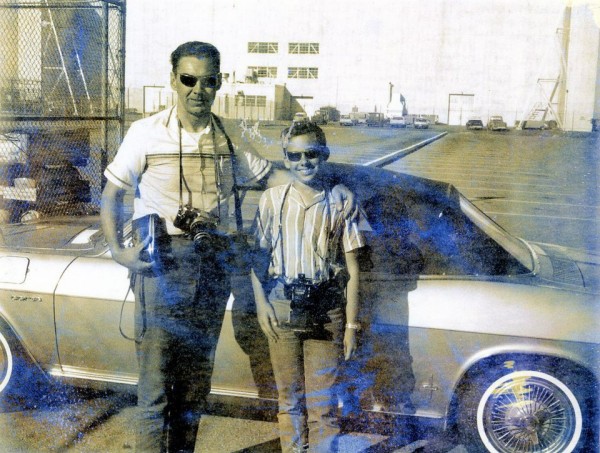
x=541, y=186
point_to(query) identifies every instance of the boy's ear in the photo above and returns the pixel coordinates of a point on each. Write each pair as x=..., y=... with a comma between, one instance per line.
x=325, y=153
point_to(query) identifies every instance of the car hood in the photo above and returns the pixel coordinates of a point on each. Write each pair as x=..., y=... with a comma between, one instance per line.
x=567, y=266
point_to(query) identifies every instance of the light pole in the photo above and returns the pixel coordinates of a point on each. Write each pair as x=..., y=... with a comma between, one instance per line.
x=144, y=97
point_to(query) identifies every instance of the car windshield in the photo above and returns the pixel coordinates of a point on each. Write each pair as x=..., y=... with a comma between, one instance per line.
x=436, y=231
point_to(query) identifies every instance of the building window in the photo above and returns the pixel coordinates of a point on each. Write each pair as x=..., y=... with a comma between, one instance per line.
x=303, y=73
x=303, y=47
x=250, y=100
x=264, y=71
x=263, y=47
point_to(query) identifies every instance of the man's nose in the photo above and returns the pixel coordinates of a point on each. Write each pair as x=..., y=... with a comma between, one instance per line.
x=198, y=87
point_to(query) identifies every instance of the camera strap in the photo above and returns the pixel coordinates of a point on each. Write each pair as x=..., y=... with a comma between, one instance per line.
x=235, y=189
x=237, y=201
x=328, y=214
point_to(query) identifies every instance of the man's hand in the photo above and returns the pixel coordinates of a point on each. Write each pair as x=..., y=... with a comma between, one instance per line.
x=130, y=257
x=345, y=201
x=111, y=215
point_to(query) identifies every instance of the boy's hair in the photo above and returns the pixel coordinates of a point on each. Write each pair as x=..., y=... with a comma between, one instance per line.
x=304, y=128
x=195, y=49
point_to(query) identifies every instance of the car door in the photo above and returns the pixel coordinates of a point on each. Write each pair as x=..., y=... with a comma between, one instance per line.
x=94, y=321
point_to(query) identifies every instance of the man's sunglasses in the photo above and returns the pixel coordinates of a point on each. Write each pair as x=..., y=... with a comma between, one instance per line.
x=190, y=81
x=310, y=153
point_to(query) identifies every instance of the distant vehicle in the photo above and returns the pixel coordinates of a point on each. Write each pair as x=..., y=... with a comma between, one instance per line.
x=330, y=114
x=300, y=117
x=359, y=117
x=474, y=124
x=346, y=120
x=376, y=119
x=319, y=118
x=397, y=121
x=496, y=123
x=535, y=124
x=421, y=123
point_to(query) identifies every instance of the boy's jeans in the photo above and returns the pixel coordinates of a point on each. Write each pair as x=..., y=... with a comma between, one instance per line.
x=305, y=368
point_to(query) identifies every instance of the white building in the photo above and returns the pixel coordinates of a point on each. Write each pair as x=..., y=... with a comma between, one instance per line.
x=498, y=57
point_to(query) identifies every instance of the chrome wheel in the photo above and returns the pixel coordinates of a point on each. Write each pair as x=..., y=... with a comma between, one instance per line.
x=529, y=411
x=6, y=363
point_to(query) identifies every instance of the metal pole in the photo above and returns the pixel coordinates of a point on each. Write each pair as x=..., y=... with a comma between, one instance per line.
x=122, y=67
x=62, y=59
x=104, y=65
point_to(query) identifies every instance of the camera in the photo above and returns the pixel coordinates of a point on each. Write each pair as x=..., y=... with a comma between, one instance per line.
x=201, y=227
x=304, y=315
x=300, y=291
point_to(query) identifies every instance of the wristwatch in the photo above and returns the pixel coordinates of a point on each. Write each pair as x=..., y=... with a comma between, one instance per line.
x=353, y=325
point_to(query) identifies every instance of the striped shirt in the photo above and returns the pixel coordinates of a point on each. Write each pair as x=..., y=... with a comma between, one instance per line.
x=310, y=235
x=148, y=162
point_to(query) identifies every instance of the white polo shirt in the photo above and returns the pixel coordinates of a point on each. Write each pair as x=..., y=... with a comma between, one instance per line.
x=148, y=162
x=309, y=237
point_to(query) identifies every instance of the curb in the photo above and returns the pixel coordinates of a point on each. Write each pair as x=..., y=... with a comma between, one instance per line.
x=389, y=158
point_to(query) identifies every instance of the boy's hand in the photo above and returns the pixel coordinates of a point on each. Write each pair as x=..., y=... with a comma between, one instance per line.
x=267, y=319
x=344, y=201
x=350, y=343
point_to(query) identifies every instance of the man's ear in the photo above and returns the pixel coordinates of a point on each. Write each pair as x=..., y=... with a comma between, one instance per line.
x=173, y=81
x=287, y=163
x=220, y=82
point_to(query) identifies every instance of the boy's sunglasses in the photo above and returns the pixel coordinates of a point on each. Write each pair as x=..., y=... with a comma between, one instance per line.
x=297, y=156
x=190, y=81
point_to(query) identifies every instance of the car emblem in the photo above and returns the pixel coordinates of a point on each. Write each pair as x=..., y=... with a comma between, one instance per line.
x=26, y=298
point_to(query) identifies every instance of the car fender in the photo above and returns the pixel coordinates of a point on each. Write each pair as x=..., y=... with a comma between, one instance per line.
x=27, y=306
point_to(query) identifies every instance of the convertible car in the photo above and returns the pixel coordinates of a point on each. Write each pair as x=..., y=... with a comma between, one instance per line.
x=464, y=325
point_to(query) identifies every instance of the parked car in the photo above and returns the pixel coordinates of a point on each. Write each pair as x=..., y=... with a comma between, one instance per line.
x=346, y=120
x=397, y=121
x=496, y=123
x=300, y=117
x=421, y=123
x=481, y=332
x=535, y=124
x=474, y=124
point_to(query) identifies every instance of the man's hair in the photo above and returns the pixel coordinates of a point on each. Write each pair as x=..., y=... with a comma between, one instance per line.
x=303, y=128
x=195, y=49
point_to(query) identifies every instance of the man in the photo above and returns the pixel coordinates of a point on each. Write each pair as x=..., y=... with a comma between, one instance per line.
x=183, y=168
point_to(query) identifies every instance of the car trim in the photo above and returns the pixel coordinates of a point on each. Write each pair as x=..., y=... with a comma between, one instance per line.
x=238, y=393
x=78, y=373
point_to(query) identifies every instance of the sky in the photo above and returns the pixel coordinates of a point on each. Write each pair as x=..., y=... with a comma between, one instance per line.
x=496, y=48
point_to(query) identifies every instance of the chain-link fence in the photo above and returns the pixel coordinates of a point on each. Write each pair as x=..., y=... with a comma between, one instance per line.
x=61, y=103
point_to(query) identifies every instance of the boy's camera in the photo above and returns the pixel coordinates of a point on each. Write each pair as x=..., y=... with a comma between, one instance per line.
x=303, y=312
x=300, y=291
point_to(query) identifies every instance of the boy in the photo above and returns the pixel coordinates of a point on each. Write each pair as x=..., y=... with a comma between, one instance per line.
x=299, y=290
